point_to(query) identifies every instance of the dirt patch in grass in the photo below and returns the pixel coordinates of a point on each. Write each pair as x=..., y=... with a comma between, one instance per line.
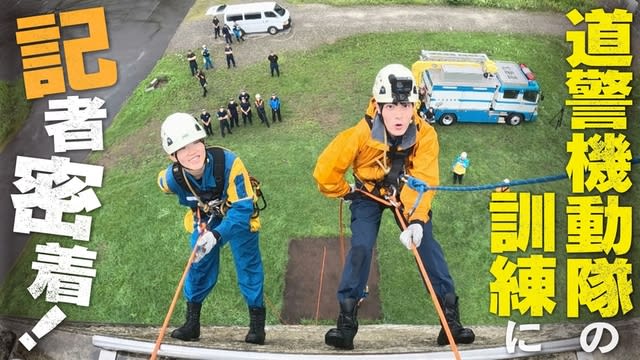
x=135, y=148
x=313, y=273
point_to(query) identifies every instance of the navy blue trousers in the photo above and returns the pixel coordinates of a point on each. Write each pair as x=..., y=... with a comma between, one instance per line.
x=365, y=223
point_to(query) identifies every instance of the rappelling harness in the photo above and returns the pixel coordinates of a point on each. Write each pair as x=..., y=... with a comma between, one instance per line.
x=387, y=190
x=210, y=202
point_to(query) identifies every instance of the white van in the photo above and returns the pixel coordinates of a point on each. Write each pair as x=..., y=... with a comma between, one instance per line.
x=266, y=16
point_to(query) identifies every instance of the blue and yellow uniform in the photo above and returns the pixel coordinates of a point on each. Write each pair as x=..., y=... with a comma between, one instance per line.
x=236, y=227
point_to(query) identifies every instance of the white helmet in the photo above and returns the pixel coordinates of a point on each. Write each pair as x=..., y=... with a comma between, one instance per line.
x=179, y=130
x=463, y=155
x=395, y=83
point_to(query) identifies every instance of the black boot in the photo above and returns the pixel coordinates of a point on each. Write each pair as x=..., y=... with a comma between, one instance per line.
x=342, y=336
x=256, y=326
x=460, y=334
x=190, y=331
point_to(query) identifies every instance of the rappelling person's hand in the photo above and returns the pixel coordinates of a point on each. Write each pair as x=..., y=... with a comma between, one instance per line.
x=206, y=241
x=411, y=235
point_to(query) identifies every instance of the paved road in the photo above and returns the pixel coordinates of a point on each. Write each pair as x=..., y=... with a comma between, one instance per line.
x=316, y=24
x=139, y=32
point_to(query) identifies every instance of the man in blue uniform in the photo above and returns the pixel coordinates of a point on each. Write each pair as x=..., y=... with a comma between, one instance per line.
x=274, y=102
x=215, y=185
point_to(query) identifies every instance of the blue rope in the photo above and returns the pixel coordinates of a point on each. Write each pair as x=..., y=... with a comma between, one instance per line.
x=420, y=186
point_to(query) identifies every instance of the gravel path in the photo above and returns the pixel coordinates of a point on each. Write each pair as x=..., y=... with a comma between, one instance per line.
x=316, y=24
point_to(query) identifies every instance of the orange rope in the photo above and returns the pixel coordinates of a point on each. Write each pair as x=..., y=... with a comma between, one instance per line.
x=272, y=308
x=165, y=324
x=423, y=272
x=154, y=353
x=324, y=256
x=434, y=298
x=341, y=238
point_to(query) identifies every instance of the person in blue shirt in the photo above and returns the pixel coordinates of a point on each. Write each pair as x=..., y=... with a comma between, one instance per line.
x=206, y=56
x=215, y=185
x=459, y=167
x=238, y=32
x=274, y=102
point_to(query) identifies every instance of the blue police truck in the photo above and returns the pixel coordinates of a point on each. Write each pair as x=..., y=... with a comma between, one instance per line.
x=463, y=87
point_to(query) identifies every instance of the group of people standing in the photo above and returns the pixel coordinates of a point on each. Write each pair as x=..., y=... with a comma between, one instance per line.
x=207, y=61
x=225, y=31
x=229, y=115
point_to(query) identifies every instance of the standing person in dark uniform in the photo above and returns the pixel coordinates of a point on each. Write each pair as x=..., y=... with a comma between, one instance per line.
x=245, y=109
x=193, y=62
x=262, y=114
x=223, y=117
x=206, y=122
x=244, y=95
x=233, y=113
x=226, y=32
x=203, y=82
x=274, y=102
x=216, y=27
x=273, y=63
x=228, y=52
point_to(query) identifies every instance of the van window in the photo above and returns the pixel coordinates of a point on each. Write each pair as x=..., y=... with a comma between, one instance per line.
x=252, y=16
x=511, y=94
x=530, y=96
x=270, y=14
x=234, y=17
x=279, y=10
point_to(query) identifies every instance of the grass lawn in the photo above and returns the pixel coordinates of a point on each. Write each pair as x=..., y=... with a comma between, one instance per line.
x=138, y=233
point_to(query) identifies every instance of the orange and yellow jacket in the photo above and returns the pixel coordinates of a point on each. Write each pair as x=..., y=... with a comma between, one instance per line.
x=365, y=149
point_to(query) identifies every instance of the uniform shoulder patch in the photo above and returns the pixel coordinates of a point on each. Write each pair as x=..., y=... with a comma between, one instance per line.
x=162, y=182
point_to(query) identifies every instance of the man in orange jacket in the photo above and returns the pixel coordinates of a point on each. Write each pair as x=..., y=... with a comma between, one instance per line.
x=391, y=141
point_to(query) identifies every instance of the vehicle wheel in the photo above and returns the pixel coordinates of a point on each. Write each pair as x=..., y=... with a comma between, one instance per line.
x=514, y=119
x=448, y=119
x=272, y=30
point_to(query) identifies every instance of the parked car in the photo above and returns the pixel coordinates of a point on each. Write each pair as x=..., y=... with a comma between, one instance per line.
x=257, y=17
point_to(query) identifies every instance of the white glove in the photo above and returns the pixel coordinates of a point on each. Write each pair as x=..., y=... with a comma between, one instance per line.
x=411, y=235
x=206, y=242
